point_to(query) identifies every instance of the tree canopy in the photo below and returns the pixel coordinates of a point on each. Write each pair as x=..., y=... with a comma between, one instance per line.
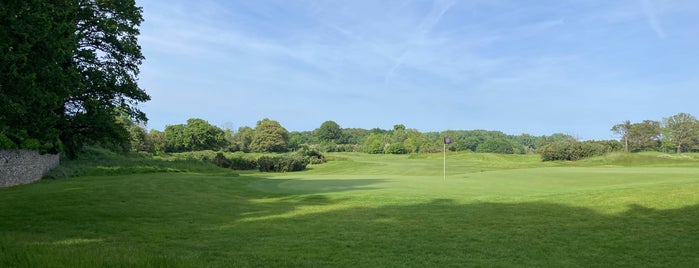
x=69, y=71
x=329, y=131
x=269, y=137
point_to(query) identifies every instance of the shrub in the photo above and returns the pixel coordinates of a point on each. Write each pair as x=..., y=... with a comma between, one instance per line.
x=31, y=144
x=221, y=161
x=242, y=162
x=496, y=145
x=282, y=163
x=6, y=143
x=395, y=148
x=313, y=156
x=571, y=151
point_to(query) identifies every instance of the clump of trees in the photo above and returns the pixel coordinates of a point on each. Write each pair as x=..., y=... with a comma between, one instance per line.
x=678, y=133
x=270, y=136
x=69, y=72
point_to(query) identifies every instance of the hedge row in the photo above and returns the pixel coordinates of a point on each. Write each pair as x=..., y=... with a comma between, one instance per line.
x=282, y=163
x=278, y=163
x=572, y=151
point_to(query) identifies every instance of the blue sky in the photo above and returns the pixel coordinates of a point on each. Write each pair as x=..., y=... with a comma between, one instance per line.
x=537, y=67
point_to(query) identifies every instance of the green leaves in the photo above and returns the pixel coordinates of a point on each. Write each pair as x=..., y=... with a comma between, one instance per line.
x=69, y=70
x=269, y=137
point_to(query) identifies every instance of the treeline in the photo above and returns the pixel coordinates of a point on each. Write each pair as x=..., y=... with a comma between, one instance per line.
x=679, y=133
x=270, y=136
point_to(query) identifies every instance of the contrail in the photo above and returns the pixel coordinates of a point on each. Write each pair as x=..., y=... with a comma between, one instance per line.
x=425, y=26
x=652, y=19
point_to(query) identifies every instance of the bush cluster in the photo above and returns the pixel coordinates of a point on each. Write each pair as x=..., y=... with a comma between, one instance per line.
x=314, y=156
x=6, y=143
x=278, y=163
x=237, y=162
x=496, y=145
x=572, y=151
x=282, y=163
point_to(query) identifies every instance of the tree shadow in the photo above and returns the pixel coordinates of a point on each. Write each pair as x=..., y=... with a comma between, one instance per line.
x=304, y=186
x=446, y=233
x=223, y=223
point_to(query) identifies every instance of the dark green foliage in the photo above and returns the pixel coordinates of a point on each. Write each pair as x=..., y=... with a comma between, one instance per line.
x=6, y=143
x=374, y=144
x=221, y=161
x=31, y=144
x=644, y=136
x=196, y=135
x=329, y=131
x=36, y=49
x=394, y=148
x=572, y=151
x=106, y=58
x=155, y=142
x=269, y=137
x=174, y=138
x=242, y=139
x=314, y=156
x=242, y=162
x=68, y=71
x=200, y=135
x=496, y=145
x=681, y=131
x=236, y=162
x=282, y=163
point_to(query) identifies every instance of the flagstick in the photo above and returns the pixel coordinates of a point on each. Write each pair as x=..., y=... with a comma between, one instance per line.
x=445, y=161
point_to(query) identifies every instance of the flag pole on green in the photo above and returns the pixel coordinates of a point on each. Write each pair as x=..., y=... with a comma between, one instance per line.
x=447, y=140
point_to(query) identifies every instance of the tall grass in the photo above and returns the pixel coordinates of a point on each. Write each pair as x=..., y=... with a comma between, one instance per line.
x=95, y=161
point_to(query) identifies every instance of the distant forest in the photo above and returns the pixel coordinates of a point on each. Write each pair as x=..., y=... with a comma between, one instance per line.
x=678, y=133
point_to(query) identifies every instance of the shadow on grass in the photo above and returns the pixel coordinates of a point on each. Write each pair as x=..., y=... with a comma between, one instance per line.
x=301, y=186
x=179, y=221
x=445, y=233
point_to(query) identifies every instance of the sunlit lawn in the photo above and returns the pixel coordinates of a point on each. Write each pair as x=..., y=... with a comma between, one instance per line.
x=361, y=210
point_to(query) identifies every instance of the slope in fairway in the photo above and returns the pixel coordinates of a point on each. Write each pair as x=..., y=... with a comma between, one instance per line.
x=362, y=210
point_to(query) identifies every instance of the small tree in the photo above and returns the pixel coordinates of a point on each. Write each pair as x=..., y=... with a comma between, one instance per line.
x=243, y=138
x=622, y=131
x=681, y=130
x=329, y=131
x=374, y=144
x=269, y=136
x=644, y=136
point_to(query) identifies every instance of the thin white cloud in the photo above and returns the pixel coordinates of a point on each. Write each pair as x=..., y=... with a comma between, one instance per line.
x=348, y=58
x=652, y=19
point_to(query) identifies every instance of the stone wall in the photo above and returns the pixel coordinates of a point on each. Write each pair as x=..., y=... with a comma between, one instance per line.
x=24, y=166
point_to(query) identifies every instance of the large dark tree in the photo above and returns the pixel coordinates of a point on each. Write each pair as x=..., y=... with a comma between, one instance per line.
x=37, y=44
x=69, y=70
x=107, y=56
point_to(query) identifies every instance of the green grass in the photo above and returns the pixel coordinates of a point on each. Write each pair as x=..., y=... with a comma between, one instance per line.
x=631, y=210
